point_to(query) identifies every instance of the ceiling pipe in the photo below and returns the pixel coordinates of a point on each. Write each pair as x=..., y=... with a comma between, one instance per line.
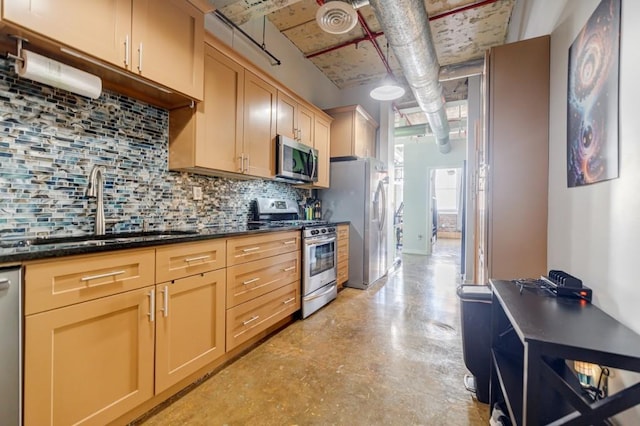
x=406, y=26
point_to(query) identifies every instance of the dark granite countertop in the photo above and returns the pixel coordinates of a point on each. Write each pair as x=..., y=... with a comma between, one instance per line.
x=15, y=252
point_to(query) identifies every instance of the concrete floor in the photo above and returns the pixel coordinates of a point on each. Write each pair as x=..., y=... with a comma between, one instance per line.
x=389, y=355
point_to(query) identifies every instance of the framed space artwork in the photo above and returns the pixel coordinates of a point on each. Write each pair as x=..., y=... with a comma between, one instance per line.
x=592, y=98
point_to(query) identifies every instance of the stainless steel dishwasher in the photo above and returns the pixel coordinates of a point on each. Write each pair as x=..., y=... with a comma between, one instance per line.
x=11, y=347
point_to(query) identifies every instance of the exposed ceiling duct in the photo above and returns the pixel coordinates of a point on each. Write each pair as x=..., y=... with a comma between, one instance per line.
x=406, y=25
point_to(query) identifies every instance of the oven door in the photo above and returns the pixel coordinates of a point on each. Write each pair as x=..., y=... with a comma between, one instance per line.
x=320, y=263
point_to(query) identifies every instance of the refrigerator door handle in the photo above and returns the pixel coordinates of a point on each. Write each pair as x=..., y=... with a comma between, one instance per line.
x=379, y=209
x=383, y=206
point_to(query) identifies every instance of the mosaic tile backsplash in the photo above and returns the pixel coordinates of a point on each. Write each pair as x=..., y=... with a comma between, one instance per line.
x=50, y=139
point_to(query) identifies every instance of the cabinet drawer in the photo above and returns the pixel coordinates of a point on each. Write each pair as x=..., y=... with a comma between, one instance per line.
x=246, y=249
x=253, y=279
x=54, y=283
x=250, y=318
x=181, y=260
x=343, y=232
x=343, y=251
x=343, y=272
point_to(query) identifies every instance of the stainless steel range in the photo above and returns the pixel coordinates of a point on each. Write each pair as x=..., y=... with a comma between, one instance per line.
x=319, y=271
x=319, y=250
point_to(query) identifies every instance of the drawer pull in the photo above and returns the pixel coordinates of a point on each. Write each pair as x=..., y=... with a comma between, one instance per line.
x=95, y=277
x=252, y=280
x=193, y=259
x=290, y=268
x=250, y=320
x=247, y=250
x=286, y=302
x=289, y=242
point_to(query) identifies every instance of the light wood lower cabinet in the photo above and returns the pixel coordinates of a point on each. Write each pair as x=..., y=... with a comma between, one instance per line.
x=250, y=318
x=245, y=249
x=249, y=280
x=190, y=332
x=97, y=349
x=343, y=254
x=75, y=279
x=181, y=260
x=263, y=283
x=91, y=362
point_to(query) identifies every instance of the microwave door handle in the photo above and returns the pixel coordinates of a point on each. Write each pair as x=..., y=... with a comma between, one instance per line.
x=314, y=162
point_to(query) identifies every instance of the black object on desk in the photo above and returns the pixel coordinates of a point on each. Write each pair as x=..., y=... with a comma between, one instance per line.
x=533, y=335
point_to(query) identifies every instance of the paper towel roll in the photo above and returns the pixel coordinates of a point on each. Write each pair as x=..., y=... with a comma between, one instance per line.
x=47, y=71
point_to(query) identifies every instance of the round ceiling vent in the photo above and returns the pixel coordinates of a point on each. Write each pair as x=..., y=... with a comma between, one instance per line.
x=336, y=17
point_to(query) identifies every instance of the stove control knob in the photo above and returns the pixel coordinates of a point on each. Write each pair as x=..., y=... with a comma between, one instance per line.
x=324, y=231
x=314, y=232
x=332, y=229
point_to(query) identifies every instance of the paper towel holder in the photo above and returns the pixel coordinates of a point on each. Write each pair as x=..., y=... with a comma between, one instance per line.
x=19, y=41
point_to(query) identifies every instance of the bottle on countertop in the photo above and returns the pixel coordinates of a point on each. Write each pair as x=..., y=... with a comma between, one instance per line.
x=317, y=211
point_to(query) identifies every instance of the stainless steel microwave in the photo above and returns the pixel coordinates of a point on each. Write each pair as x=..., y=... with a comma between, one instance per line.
x=296, y=161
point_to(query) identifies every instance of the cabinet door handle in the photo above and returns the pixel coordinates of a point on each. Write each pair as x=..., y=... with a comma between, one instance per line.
x=290, y=268
x=95, y=277
x=165, y=308
x=250, y=320
x=247, y=250
x=289, y=242
x=286, y=302
x=193, y=259
x=241, y=163
x=253, y=280
x=126, y=51
x=140, y=58
x=152, y=306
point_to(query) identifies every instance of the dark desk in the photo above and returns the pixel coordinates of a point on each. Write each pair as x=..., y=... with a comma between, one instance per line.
x=533, y=335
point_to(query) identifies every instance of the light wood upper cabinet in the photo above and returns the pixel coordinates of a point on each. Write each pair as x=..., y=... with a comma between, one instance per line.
x=259, y=126
x=97, y=27
x=353, y=132
x=190, y=326
x=294, y=119
x=89, y=363
x=233, y=130
x=161, y=41
x=322, y=132
x=167, y=44
x=210, y=137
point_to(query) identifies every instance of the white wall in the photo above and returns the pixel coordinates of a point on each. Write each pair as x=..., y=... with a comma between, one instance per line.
x=421, y=155
x=295, y=72
x=594, y=230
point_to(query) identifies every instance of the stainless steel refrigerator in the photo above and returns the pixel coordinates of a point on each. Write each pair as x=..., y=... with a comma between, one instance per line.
x=357, y=193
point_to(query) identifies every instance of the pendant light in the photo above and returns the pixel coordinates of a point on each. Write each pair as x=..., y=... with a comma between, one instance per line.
x=388, y=89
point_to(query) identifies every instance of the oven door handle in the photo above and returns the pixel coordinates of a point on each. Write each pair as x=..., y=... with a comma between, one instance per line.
x=324, y=293
x=318, y=240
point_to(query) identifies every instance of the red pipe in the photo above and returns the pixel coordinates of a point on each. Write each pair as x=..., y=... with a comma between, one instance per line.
x=369, y=36
x=341, y=45
x=462, y=9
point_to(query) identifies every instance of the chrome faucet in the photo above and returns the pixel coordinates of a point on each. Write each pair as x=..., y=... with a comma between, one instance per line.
x=95, y=189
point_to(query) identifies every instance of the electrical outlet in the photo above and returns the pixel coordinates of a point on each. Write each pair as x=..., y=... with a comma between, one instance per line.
x=197, y=193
